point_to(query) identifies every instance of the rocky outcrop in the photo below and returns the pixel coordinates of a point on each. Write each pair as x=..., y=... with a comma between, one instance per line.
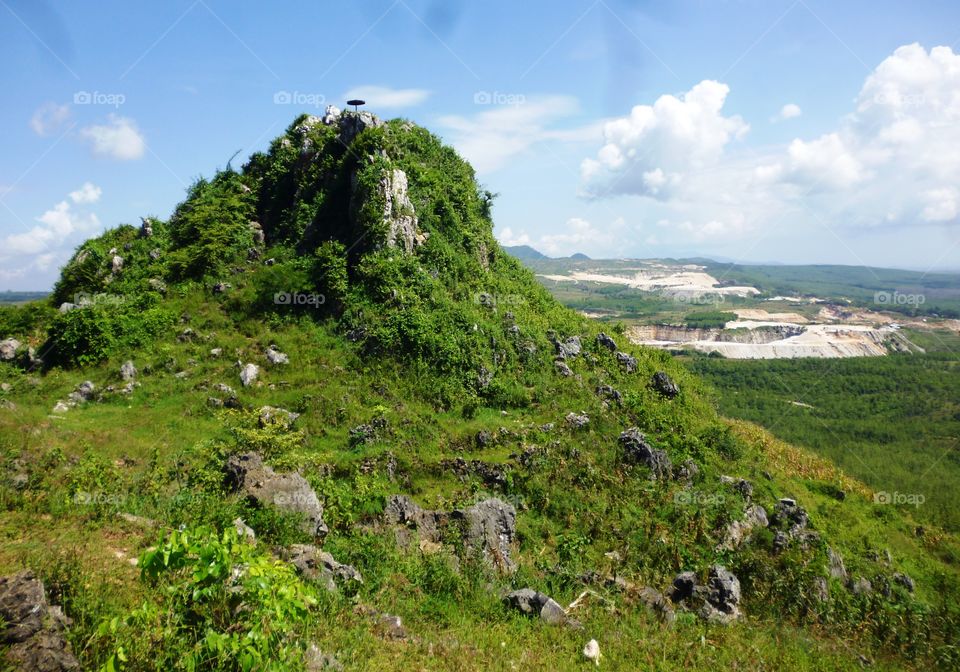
x=128, y=371
x=8, y=349
x=247, y=475
x=536, y=604
x=722, y=603
x=627, y=362
x=274, y=356
x=352, y=123
x=249, y=374
x=569, y=348
x=755, y=517
x=663, y=384
x=488, y=527
x=398, y=216
x=636, y=450
x=317, y=565
x=577, y=420
x=32, y=628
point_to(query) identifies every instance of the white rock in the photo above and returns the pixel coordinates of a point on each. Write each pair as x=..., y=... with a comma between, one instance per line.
x=248, y=374
x=592, y=651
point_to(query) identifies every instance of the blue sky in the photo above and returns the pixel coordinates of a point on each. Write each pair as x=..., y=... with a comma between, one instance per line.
x=788, y=131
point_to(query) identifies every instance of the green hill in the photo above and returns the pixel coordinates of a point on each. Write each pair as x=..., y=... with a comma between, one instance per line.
x=340, y=308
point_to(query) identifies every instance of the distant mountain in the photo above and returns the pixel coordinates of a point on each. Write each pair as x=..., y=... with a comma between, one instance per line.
x=524, y=252
x=579, y=256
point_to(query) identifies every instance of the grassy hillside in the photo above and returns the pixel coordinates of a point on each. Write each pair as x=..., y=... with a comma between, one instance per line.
x=425, y=366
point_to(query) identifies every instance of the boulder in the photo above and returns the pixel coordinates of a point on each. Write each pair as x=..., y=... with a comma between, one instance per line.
x=577, y=420
x=146, y=228
x=905, y=581
x=274, y=356
x=684, y=586
x=591, y=651
x=116, y=263
x=562, y=368
x=636, y=450
x=317, y=565
x=860, y=586
x=491, y=527
x=315, y=660
x=157, y=285
x=221, y=287
x=32, y=628
x=606, y=342
x=271, y=415
x=789, y=517
x=128, y=371
x=755, y=517
x=568, y=349
x=245, y=531
x=627, y=362
x=835, y=565
x=657, y=604
x=722, y=603
x=663, y=384
x=83, y=392
x=8, y=349
x=288, y=492
x=609, y=394
x=248, y=374
x=403, y=511
x=534, y=603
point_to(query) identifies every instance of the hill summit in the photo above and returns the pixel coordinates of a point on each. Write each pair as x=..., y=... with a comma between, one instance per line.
x=319, y=419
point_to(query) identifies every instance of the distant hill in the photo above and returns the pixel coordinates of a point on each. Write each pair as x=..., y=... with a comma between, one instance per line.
x=524, y=252
x=579, y=256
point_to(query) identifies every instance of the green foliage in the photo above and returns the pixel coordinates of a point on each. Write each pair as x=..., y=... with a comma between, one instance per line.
x=225, y=605
x=713, y=319
x=210, y=229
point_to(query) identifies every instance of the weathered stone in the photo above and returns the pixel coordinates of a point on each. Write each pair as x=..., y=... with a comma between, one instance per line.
x=606, y=341
x=352, y=123
x=684, y=586
x=534, y=603
x=319, y=566
x=905, y=581
x=128, y=371
x=8, y=349
x=820, y=589
x=755, y=517
x=248, y=374
x=271, y=415
x=568, y=349
x=836, y=567
x=657, y=604
x=289, y=492
x=608, y=393
x=860, y=586
x=577, y=420
x=401, y=510
x=315, y=660
x=275, y=356
x=722, y=596
x=663, y=384
x=562, y=368
x=638, y=451
x=245, y=531
x=491, y=527
x=31, y=628
x=221, y=287
x=628, y=362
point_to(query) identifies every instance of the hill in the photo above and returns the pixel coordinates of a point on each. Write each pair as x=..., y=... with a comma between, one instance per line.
x=524, y=252
x=320, y=419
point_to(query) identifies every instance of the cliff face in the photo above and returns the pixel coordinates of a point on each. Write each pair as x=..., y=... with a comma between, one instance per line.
x=689, y=335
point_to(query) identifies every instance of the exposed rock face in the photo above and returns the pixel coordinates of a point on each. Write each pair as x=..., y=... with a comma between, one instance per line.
x=608, y=393
x=398, y=216
x=289, y=492
x=606, y=341
x=128, y=371
x=8, y=349
x=275, y=356
x=33, y=630
x=628, y=362
x=905, y=581
x=637, y=450
x=722, y=597
x=684, y=586
x=755, y=517
x=568, y=349
x=663, y=384
x=248, y=374
x=491, y=526
x=317, y=565
x=577, y=420
x=352, y=123
x=836, y=566
x=535, y=603
x=146, y=228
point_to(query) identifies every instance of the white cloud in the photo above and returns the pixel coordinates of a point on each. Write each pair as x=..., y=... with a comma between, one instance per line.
x=385, y=98
x=508, y=238
x=118, y=139
x=790, y=111
x=577, y=235
x=889, y=163
x=492, y=137
x=652, y=151
x=88, y=193
x=55, y=227
x=48, y=118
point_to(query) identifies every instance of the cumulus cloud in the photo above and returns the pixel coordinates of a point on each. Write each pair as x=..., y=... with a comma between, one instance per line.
x=386, y=98
x=118, y=139
x=49, y=118
x=889, y=162
x=576, y=235
x=653, y=150
x=789, y=111
x=54, y=228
